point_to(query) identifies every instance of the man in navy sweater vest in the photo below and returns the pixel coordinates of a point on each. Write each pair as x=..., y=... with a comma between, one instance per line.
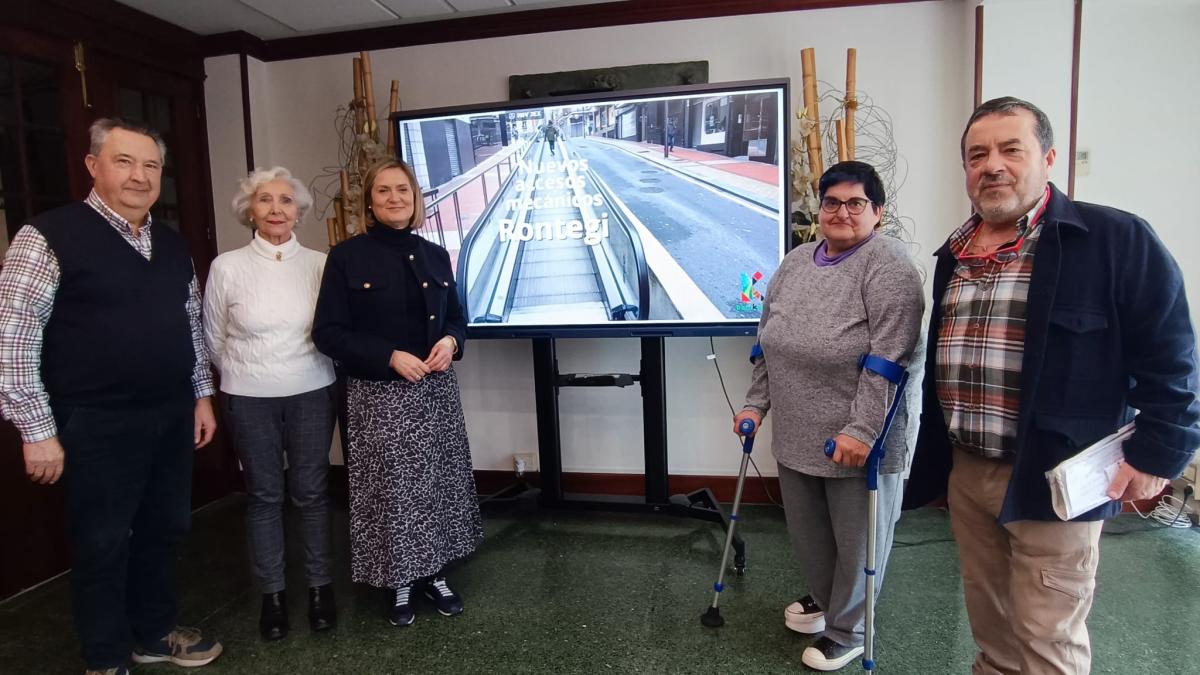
x=103, y=371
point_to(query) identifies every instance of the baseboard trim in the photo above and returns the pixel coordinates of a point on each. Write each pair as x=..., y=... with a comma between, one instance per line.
x=489, y=482
x=756, y=490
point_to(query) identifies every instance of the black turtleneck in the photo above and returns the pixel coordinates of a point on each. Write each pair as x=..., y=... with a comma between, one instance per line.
x=404, y=240
x=390, y=289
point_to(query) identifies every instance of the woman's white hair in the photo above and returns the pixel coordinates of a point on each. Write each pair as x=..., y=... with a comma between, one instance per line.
x=259, y=177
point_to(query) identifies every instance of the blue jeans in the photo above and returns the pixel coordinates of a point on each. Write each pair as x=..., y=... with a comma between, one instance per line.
x=128, y=478
x=265, y=430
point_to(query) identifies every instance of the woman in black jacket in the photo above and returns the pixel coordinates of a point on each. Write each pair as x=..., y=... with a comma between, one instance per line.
x=388, y=312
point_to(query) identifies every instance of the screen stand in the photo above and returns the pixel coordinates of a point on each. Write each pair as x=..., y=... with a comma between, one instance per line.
x=701, y=504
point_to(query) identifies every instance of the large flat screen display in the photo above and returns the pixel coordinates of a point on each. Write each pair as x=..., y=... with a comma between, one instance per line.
x=653, y=212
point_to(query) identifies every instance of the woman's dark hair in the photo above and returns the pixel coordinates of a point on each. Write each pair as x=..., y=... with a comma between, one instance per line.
x=857, y=173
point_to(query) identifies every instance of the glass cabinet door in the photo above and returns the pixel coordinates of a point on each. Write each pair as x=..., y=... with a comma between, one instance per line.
x=34, y=175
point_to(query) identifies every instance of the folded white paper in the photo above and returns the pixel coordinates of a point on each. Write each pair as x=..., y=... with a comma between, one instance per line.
x=1080, y=484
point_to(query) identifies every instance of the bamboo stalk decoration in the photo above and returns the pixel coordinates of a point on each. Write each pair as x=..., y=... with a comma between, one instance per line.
x=368, y=84
x=331, y=224
x=362, y=206
x=851, y=99
x=360, y=114
x=345, y=178
x=840, y=126
x=358, y=95
x=808, y=64
x=339, y=212
x=393, y=106
x=349, y=206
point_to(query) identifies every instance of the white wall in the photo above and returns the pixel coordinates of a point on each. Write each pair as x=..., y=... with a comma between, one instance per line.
x=1138, y=97
x=226, y=138
x=913, y=60
x=1027, y=46
x=226, y=142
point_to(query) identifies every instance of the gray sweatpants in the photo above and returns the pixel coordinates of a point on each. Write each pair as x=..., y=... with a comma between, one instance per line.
x=827, y=522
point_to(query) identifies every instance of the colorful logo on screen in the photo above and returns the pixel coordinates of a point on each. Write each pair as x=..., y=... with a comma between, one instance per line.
x=751, y=298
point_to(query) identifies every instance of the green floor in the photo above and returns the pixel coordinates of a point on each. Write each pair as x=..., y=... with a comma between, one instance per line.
x=617, y=593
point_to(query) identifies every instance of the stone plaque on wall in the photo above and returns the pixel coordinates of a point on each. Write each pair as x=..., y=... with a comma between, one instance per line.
x=645, y=76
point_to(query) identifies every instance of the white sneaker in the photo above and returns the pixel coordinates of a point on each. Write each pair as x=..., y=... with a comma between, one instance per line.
x=803, y=616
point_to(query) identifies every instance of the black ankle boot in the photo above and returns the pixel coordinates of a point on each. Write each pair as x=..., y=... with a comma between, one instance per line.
x=273, y=621
x=321, y=612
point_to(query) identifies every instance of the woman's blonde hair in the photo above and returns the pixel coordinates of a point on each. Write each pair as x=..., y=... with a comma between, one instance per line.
x=418, y=215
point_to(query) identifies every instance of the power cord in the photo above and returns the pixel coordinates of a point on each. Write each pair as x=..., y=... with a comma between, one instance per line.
x=899, y=543
x=712, y=356
x=1170, y=510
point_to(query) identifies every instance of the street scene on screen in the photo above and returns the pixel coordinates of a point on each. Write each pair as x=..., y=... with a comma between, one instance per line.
x=666, y=209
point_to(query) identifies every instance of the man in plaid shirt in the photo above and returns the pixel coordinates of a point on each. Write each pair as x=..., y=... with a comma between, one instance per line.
x=103, y=371
x=1053, y=322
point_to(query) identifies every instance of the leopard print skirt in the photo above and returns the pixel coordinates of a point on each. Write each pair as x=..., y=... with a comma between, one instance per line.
x=413, y=505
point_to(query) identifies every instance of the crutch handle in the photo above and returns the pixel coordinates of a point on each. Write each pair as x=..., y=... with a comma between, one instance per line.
x=830, y=447
x=746, y=429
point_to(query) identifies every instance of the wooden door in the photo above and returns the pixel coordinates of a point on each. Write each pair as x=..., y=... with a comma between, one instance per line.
x=41, y=168
x=43, y=139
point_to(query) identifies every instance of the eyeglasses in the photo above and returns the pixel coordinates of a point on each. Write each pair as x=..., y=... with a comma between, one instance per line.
x=854, y=206
x=1002, y=255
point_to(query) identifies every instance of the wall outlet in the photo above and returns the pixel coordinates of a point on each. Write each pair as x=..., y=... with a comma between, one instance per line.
x=1190, y=473
x=1185, y=488
x=525, y=462
x=1191, y=501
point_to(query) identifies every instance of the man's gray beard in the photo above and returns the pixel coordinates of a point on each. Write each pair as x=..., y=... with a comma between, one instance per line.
x=1000, y=213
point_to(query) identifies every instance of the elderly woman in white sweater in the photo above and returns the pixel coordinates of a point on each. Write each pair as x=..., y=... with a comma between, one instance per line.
x=258, y=313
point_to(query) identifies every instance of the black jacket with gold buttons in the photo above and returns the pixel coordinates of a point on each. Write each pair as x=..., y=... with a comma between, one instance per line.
x=370, y=302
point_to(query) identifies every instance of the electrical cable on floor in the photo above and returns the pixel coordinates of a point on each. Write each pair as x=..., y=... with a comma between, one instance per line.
x=1170, y=511
x=712, y=353
x=896, y=543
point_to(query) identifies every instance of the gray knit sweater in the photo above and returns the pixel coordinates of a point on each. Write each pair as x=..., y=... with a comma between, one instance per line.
x=816, y=321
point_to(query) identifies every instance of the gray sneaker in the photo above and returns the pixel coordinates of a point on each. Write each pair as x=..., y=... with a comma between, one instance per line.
x=183, y=646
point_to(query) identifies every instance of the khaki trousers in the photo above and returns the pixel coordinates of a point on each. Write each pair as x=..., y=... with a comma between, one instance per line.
x=1027, y=584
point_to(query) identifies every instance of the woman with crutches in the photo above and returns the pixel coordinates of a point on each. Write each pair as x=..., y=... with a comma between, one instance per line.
x=856, y=292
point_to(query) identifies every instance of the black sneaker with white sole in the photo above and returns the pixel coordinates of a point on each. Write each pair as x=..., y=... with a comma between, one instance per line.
x=825, y=654
x=401, y=613
x=803, y=616
x=448, y=602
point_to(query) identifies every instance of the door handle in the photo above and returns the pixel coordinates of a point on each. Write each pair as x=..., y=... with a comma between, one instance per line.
x=81, y=66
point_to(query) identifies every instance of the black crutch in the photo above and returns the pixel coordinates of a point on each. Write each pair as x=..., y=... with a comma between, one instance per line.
x=712, y=616
x=894, y=373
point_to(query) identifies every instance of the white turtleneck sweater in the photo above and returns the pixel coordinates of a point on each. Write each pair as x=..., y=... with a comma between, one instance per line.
x=258, y=315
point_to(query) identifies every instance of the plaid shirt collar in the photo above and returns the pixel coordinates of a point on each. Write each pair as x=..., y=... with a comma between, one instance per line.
x=962, y=236
x=115, y=219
